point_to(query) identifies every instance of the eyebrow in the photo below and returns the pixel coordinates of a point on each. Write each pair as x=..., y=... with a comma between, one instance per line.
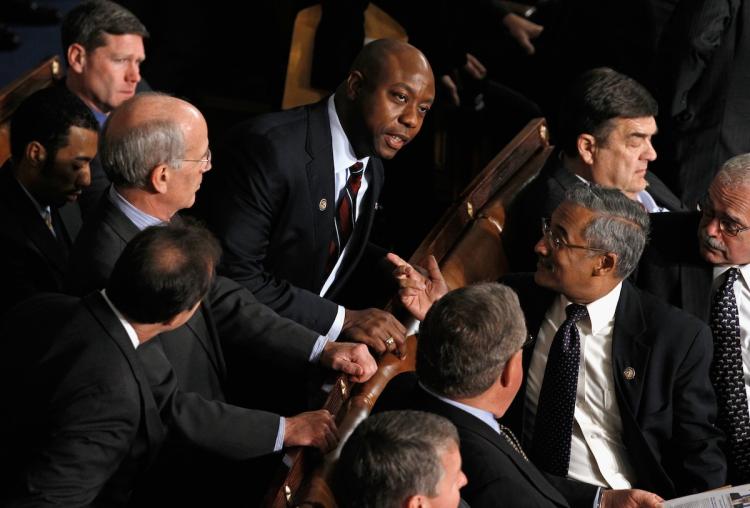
x=411, y=90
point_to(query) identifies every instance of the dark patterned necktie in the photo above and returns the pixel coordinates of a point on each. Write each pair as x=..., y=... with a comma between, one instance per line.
x=728, y=380
x=553, y=425
x=345, y=215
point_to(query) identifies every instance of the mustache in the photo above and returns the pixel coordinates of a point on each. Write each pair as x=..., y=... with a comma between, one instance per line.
x=712, y=242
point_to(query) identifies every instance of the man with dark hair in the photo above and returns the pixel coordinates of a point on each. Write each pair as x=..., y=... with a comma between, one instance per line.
x=605, y=130
x=53, y=139
x=81, y=425
x=155, y=151
x=297, y=192
x=617, y=392
x=400, y=458
x=103, y=44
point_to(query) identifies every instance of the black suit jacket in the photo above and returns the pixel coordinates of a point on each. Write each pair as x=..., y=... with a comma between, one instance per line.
x=273, y=207
x=497, y=474
x=541, y=197
x=32, y=259
x=80, y=423
x=668, y=410
x=229, y=321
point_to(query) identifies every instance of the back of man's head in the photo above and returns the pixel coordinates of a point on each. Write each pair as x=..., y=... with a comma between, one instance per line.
x=164, y=270
x=391, y=457
x=620, y=225
x=596, y=97
x=87, y=23
x=46, y=117
x=140, y=134
x=467, y=338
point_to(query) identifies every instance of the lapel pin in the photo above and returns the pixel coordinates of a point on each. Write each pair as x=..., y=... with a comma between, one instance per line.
x=629, y=373
x=323, y=204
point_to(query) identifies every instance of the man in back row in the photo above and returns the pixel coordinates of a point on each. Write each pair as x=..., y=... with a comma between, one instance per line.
x=617, y=391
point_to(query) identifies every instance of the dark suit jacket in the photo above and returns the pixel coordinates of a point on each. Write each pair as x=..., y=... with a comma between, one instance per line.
x=229, y=321
x=271, y=181
x=32, y=259
x=668, y=410
x=497, y=474
x=81, y=424
x=541, y=197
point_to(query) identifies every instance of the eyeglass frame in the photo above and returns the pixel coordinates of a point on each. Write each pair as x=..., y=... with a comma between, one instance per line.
x=207, y=158
x=558, y=243
x=705, y=214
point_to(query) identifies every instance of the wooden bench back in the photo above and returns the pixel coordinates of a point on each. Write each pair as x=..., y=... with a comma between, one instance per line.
x=42, y=76
x=467, y=244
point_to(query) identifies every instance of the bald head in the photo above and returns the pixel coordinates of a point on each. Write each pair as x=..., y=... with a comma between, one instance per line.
x=384, y=100
x=148, y=130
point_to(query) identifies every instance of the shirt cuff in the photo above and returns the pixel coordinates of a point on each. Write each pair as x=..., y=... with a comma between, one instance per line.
x=318, y=348
x=598, y=497
x=338, y=324
x=280, y=435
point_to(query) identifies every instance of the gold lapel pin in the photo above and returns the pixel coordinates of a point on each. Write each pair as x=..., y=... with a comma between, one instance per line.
x=629, y=373
x=323, y=204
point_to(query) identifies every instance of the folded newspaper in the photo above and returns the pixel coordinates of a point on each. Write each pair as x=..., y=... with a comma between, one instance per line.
x=730, y=497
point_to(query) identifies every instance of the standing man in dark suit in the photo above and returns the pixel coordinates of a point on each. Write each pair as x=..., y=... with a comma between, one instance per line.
x=53, y=140
x=400, y=458
x=617, y=391
x=81, y=425
x=103, y=46
x=155, y=151
x=297, y=192
x=605, y=131
x=700, y=278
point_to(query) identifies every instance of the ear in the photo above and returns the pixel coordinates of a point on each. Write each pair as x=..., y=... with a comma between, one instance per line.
x=35, y=153
x=415, y=502
x=513, y=368
x=159, y=178
x=606, y=264
x=354, y=83
x=586, y=144
x=76, y=57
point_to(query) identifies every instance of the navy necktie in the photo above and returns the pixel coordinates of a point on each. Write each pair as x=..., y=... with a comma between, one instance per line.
x=728, y=379
x=345, y=215
x=553, y=425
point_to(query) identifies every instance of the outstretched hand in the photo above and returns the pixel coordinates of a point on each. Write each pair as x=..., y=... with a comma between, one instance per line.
x=523, y=31
x=418, y=288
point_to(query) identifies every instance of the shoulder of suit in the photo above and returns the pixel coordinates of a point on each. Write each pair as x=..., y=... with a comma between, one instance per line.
x=661, y=314
x=280, y=124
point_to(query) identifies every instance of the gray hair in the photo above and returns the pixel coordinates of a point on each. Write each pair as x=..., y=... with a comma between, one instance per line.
x=88, y=22
x=735, y=171
x=392, y=456
x=620, y=225
x=129, y=156
x=467, y=338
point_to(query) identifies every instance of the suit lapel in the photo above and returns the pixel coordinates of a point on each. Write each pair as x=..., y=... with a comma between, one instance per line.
x=320, y=181
x=70, y=220
x=662, y=195
x=630, y=354
x=695, y=285
x=155, y=431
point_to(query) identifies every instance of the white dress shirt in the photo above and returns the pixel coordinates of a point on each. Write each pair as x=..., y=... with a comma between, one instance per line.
x=597, y=452
x=343, y=159
x=132, y=335
x=742, y=294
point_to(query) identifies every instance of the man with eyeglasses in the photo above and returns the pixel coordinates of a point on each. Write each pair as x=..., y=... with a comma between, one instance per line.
x=712, y=281
x=617, y=391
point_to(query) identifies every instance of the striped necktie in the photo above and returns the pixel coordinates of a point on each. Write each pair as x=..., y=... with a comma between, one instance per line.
x=345, y=215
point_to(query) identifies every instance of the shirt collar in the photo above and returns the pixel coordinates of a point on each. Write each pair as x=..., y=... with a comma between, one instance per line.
x=141, y=219
x=39, y=208
x=601, y=311
x=744, y=272
x=486, y=416
x=132, y=335
x=343, y=151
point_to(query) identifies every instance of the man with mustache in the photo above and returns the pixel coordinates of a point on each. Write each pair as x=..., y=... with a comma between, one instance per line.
x=712, y=281
x=297, y=191
x=617, y=391
x=53, y=139
x=604, y=132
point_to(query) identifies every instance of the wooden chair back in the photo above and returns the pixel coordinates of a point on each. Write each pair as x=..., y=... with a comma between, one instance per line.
x=297, y=89
x=468, y=246
x=42, y=76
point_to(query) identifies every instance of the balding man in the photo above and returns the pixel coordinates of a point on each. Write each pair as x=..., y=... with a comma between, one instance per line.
x=297, y=191
x=155, y=151
x=712, y=281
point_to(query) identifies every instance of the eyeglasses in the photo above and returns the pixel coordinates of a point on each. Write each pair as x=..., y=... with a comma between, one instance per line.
x=557, y=243
x=728, y=227
x=206, y=158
